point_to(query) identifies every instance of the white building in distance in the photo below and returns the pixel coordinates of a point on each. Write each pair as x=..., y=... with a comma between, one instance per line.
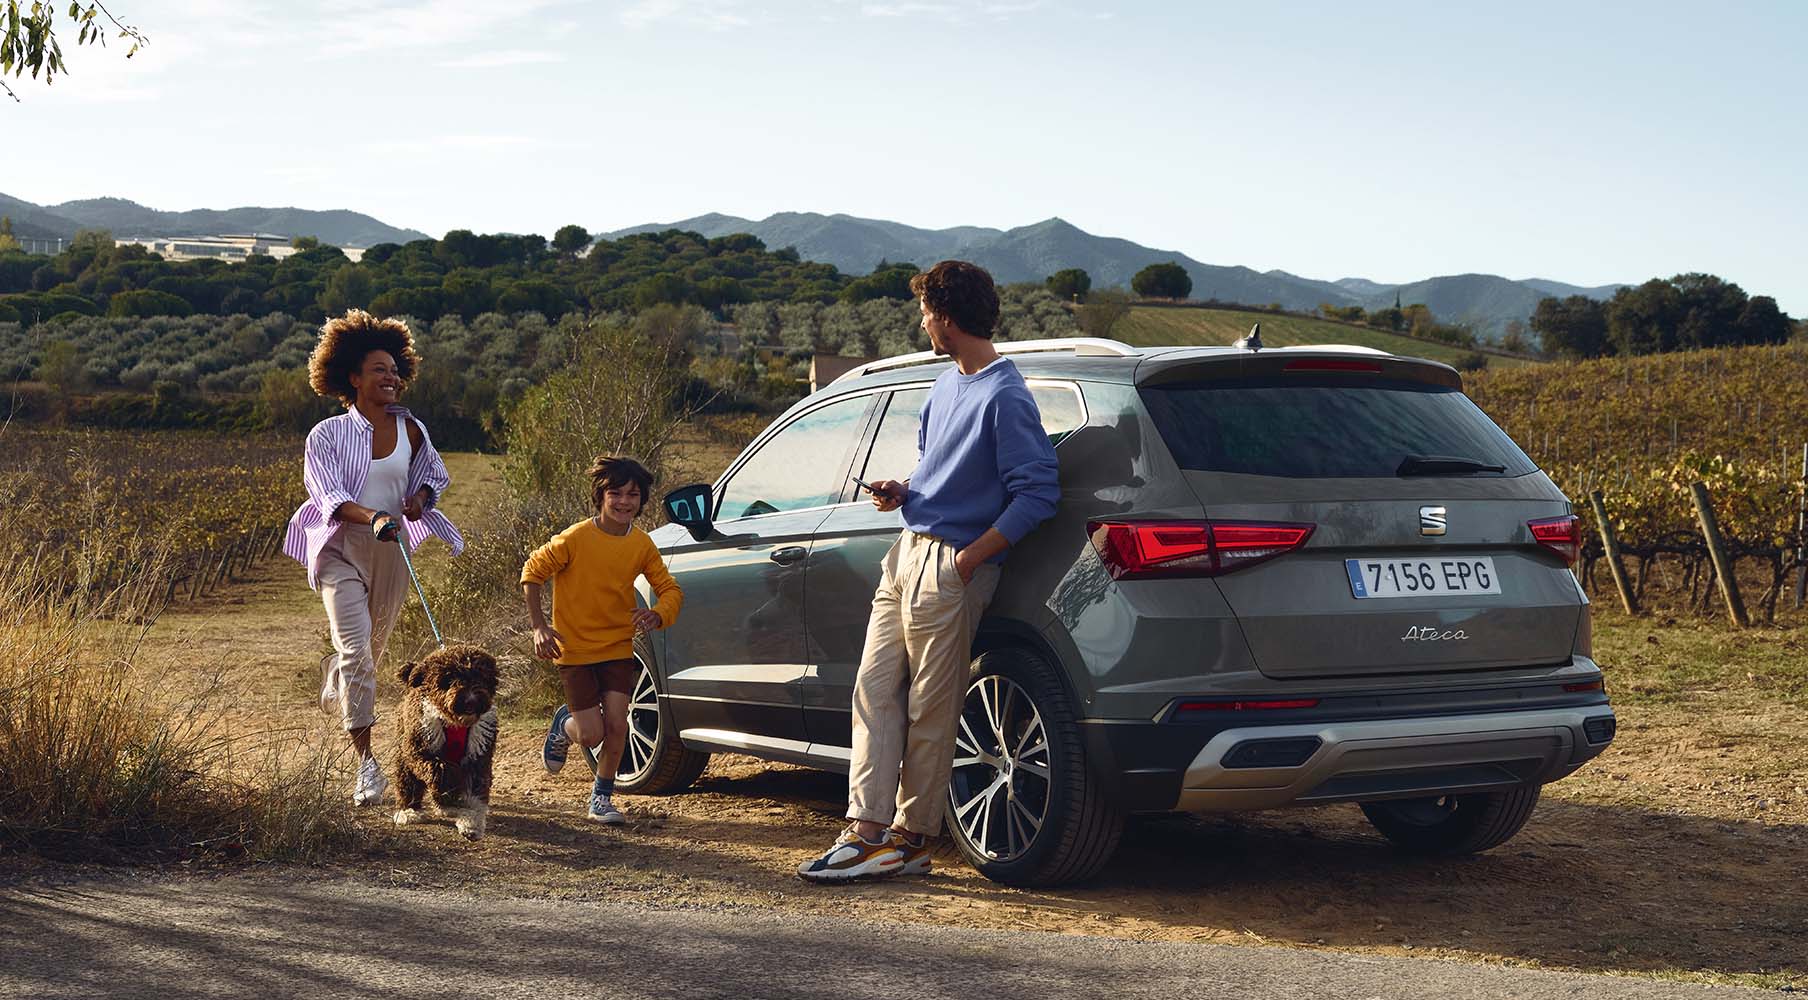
x=231, y=247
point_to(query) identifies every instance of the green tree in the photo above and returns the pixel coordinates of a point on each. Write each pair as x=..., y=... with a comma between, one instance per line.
x=288, y=403
x=29, y=40
x=305, y=243
x=350, y=287
x=1101, y=312
x=91, y=242
x=1644, y=319
x=1162, y=281
x=148, y=302
x=1575, y=327
x=8, y=242
x=61, y=368
x=568, y=240
x=1069, y=284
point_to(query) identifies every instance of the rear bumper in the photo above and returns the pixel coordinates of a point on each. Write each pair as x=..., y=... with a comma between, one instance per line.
x=1397, y=758
x=1168, y=766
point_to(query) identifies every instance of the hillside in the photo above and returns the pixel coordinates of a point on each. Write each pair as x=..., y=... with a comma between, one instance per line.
x=1152, y=325
x=1030, y=253
x=338, y=227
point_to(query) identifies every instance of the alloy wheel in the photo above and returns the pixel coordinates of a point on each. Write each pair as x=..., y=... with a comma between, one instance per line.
x=999, y=795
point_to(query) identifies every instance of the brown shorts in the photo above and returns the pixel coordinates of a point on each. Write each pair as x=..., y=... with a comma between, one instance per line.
x=585, y=683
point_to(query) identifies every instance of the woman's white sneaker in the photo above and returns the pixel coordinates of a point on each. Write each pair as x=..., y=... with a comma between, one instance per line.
x=372, y=785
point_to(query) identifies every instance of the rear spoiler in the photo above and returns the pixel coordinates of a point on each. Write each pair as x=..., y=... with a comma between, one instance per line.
x=1214, y=364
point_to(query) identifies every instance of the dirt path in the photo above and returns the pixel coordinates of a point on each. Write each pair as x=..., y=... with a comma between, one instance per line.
x=238, y=937
x=1651, y=861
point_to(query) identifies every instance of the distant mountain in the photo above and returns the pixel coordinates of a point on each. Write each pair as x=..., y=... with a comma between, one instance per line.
x=35, y=221
x=1031, y=253
x=126, y=218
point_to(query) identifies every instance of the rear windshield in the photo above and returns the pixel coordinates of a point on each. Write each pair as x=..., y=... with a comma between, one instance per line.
x=1325, y=428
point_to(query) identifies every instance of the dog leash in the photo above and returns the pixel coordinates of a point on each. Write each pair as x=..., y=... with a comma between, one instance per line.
x=402, y=543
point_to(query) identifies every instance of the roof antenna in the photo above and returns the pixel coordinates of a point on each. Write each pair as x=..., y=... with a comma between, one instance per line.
x=1252, y=342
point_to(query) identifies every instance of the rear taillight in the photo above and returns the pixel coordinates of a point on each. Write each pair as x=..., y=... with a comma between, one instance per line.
x=1562, y=535
x=1140, y=549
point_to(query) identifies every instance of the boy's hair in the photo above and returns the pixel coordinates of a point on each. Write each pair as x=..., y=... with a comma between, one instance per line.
x=615, y=471
x=344, y=343
x=960, y=293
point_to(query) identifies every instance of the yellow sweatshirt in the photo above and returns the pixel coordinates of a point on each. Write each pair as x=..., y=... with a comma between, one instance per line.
x=593, y=598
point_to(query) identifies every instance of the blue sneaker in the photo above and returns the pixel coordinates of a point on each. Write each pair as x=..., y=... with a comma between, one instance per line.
x=604, y=811
x=553, y=753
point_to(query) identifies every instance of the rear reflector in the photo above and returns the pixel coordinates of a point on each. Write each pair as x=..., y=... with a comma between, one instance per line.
x=1599, y=729
x=1585, y=686
x=1331, y=365
x=1245, y=706
x=1140, y=549
x=1562, y=535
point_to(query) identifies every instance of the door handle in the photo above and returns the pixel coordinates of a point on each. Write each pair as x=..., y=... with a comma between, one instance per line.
x=788, y=555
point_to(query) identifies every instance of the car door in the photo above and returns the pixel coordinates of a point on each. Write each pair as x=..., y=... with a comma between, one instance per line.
x=737, y=655
x=851, y=544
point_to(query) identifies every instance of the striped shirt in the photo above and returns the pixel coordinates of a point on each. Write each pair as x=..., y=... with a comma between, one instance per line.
x=333, y=468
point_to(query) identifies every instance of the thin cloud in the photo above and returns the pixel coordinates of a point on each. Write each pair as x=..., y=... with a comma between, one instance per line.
x=426, y=23
x=506, y=57
x=468, y=144
x=713, y=14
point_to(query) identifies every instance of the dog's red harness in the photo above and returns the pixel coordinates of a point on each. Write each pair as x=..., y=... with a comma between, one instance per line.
x=454, y=750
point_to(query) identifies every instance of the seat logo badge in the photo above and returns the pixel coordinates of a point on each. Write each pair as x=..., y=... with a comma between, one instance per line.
x=1433, y=520
x=1420, y=633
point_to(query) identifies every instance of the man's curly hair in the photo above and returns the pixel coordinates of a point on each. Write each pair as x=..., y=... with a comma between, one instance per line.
x=344, y=342
x=960, y=293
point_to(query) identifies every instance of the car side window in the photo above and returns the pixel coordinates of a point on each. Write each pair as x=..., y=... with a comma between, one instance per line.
x=1060, y=409
x=799, y=466
x=894, y=453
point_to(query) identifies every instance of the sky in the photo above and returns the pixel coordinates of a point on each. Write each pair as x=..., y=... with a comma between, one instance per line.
x=1588, y=143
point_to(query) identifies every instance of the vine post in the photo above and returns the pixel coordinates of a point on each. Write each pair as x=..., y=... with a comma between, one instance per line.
x=1723, y=563
x=1801, y=533
x=1611, y=545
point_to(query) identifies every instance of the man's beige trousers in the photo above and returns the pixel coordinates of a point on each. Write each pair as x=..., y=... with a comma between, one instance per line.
x=912, y=683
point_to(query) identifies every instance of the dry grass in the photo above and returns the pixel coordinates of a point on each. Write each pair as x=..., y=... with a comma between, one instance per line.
x=99, y=762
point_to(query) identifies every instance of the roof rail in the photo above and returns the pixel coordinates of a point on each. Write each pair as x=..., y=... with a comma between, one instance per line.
x=1097, y=347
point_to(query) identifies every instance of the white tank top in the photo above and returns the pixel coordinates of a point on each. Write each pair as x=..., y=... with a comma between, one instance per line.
x=386, y=485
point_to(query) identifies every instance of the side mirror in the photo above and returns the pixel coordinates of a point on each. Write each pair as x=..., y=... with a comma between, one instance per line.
x=689, y=506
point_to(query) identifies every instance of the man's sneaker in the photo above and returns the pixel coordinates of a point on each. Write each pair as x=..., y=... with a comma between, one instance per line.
x=557, y=745
x=603, y=811
x=852, y=857
x=915, y=856
x=372, y=785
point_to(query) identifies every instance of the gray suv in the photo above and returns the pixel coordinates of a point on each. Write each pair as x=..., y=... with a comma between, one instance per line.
x=1276, y=577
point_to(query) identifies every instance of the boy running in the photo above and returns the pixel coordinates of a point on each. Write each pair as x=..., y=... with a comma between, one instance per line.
x=593, y=565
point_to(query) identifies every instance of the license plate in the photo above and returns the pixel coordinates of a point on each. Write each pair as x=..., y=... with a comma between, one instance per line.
x=1444, y=577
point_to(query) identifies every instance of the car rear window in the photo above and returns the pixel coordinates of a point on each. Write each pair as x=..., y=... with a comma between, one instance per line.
x=1324, y=428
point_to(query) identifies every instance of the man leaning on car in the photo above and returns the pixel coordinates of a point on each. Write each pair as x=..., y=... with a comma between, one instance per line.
x=985, y=477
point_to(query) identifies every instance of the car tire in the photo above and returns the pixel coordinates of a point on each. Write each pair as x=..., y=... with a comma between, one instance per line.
x=1044, y=819
x=1454, y=824
x=654, y=761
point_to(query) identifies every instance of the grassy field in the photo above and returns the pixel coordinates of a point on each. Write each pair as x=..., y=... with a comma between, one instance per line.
x=1150, y=326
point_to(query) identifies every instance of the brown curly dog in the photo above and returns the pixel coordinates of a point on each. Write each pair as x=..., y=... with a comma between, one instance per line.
x=448, y=737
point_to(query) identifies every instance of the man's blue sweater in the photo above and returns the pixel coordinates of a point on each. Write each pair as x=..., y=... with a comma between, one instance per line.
x=985, y=461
